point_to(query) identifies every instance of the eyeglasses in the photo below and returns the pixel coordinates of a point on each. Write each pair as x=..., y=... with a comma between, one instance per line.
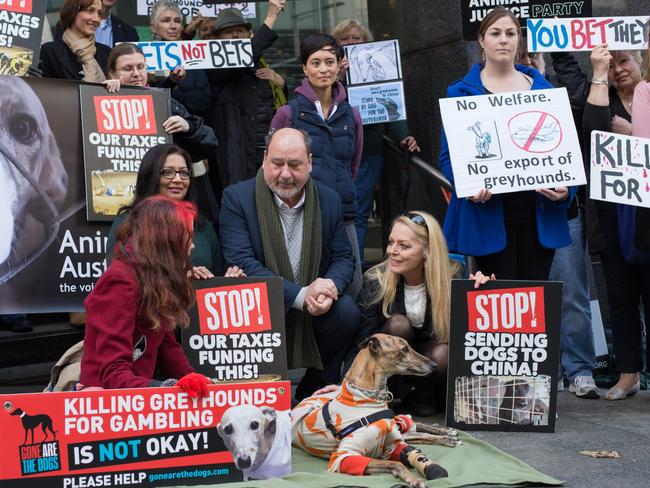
x=170, y=173
x=417, y=219
x=132, y=69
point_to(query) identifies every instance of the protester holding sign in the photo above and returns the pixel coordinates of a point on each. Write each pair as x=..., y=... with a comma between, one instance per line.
x=320, y=108
x=243, y=98
x=513, y=235
x=193, y=90
x=165, y=170
x=76, y=55
x=140, y=299
x=625, y=266
x=349, y=32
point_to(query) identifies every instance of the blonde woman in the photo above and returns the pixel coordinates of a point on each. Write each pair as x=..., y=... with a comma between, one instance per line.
x=408, y=294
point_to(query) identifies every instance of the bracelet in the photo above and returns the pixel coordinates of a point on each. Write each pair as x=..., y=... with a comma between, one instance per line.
x=600, y=82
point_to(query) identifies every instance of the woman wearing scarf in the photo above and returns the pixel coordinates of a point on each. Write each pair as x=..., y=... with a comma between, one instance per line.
x=75, y=55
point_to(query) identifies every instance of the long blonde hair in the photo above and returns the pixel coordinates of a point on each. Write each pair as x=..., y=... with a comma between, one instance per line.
x=438, y=271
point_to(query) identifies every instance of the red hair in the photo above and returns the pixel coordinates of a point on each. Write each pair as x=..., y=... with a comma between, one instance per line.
x=155, y=238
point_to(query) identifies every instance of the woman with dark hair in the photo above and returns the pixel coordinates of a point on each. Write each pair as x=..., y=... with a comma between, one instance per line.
x=513, y=235
x=127, y=66
x=140, y=299
x=319, y=107
x=75, y=55
x=166, y=170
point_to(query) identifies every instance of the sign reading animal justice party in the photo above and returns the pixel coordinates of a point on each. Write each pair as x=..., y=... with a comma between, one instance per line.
x=21, y=27
x=209, y=54
x=521, y=141
x=619, y=169
x=118, y=129
x=237, y=329
x=143, y=437
x=503, y=355
x=619, y=33
x=473, y=11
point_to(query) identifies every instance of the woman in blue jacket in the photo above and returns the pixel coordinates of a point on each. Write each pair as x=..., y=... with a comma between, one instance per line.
x=513, y=235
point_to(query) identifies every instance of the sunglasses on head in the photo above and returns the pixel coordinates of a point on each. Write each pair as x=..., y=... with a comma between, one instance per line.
x=417, y=219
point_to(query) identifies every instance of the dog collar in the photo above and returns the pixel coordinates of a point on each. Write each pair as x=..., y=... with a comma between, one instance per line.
x=380, y=395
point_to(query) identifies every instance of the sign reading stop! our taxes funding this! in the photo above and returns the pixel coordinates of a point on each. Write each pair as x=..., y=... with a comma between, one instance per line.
x=237, y=329
x=520, y=141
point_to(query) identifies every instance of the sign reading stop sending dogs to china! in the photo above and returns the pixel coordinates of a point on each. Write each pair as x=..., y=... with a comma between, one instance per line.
x=521, y=141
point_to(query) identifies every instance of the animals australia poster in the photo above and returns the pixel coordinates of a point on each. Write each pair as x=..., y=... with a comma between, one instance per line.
x=504, y=349
x=374, y=81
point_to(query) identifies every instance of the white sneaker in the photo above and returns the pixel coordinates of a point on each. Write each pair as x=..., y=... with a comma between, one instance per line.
x=584, y=387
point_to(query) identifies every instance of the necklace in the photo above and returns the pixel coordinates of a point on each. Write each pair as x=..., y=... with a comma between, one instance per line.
x=627, y=101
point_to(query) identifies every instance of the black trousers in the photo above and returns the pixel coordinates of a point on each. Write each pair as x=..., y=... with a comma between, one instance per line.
x=335, y=332
x=627, y=284
x=523, y=258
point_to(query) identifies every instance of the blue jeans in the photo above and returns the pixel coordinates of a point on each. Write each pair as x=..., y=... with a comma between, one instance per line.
x=367, y=177
x=569, y=266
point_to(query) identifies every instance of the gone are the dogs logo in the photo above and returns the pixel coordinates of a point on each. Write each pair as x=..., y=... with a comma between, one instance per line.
x=239, y=309
x=126, y=114
x=513, y=310
x=39, y=452
x=21, y=6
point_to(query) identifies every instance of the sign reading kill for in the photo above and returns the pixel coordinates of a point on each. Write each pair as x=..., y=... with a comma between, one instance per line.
x=236, y=329
x=619, y=169
x=503, y=355
x=521, y=141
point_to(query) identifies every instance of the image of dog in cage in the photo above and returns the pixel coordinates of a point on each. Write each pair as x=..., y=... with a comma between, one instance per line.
x=495, y=400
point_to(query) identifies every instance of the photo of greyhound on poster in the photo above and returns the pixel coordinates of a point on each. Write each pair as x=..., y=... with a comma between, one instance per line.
x=373, y=62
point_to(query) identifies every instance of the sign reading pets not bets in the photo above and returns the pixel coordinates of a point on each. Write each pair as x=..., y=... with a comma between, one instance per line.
x=21, y=27
x=133, y=437
x=584, y=34
x=473, y=11
x=207, y=54
x=620, y=169
x=237, y=329
x=521, y=141
x=503, y=355
x=117, y=130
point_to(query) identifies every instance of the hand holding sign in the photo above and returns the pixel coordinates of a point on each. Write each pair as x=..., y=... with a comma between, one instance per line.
x=558, y=194
x=600, y=61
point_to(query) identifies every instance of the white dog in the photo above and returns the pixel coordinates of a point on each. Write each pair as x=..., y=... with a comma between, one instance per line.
x=259, y=439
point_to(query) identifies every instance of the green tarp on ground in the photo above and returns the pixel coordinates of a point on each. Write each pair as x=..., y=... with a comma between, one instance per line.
x=474, y=463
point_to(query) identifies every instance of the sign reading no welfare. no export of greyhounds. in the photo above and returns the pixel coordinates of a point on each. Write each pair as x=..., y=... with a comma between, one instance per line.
x=522, y=141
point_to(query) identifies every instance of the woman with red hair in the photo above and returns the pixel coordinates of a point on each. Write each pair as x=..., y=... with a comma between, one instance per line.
x=139, y=301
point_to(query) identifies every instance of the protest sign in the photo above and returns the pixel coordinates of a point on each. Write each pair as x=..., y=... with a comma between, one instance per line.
x=504, y=351
x=21, y=28
x=212, y=54
x=189, y=8
x=522, y=141
x=473, y=11
x=619, y=169
x=118, y=129
x=374, y=81
x=237, y=330
x=50, y=256
x=140, y=437
x=619, y=33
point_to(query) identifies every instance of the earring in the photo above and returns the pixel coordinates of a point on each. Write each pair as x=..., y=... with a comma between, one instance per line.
x=483, y=55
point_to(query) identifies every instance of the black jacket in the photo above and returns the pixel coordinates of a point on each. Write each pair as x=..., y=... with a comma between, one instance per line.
x=200, y=140
x=235, y=114
x=57, y=61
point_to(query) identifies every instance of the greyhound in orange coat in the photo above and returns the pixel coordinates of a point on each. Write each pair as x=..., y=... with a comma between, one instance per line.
x=354, y=429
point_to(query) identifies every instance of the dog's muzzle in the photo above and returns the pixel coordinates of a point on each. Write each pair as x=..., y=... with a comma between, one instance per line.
x=51, y=219
x=243, y=462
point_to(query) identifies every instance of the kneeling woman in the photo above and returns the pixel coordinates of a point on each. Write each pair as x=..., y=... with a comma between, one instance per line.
x=408, y=294
x=140, y=299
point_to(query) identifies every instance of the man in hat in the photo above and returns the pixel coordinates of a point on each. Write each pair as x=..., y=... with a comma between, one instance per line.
x=243, y=98
x=281, y=223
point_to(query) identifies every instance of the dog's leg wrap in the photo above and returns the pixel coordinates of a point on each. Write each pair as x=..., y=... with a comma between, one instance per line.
x=414, y=458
